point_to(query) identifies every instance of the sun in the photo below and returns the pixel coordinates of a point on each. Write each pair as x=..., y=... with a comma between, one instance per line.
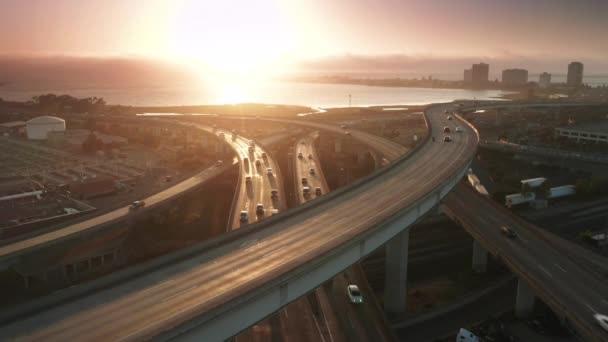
x=231, y=37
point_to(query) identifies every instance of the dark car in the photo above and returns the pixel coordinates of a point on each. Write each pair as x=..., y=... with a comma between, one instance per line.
x=508, y=232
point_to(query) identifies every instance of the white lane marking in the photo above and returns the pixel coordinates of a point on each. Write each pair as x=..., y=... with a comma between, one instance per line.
x=544, y=270
x=560, y=267
x=340, y=220
x=273, y=251
x=319, y=217
x=179, y=293
x=591, y=308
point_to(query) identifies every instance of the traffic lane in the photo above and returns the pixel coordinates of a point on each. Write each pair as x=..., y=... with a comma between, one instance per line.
x=303, y=167
x=349, y=313
x=551, y=262
x=282, y=251
x=257, y=191
x=540, y=261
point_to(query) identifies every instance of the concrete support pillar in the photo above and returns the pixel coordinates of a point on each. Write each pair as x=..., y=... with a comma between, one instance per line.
x=338, y=145
x=524, y=302
x=361, y=157
x=480, y=258
x=395, y=284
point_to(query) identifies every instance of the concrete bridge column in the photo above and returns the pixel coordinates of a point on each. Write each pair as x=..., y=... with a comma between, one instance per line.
x=395, y=284
x=361, y=154
x=480, y=258
x=524, y=302
x=338, y=145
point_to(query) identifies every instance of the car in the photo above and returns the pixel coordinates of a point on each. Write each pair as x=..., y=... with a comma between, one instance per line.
x=136, y=205
x=244, y=217
x=252, y=143
x=221, y=135
x=274, y=212
x=458, y=129
x=354, y=294
x=344, y=126
x=304, y=180
x=602, y=320
x=251, y=149
x=312, y=171
x=310, y=156
x=274, y=193
x=259, y=209
x=318, y=191
x=450, y=117
x=219, y=163
x=306, y=191
x=508, y=232
x=258, y=162
x=300, y=155
x=168, y=178
x=445, y=111
x=248, y=179
x=269, y=171
x=446, y=129
x=347, y=134
x=264, y=155
x=447, y=138
x=246, y=160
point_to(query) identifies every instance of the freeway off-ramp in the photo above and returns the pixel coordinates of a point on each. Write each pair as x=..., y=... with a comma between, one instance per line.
x=207, y=287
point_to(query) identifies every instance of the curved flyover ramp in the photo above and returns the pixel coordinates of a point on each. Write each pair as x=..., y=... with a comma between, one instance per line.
x=259, y=269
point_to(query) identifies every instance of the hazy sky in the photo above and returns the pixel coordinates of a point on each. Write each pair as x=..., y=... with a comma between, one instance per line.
x=241, y=34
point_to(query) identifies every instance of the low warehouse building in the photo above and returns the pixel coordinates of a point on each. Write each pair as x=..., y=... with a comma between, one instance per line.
x=40, y=127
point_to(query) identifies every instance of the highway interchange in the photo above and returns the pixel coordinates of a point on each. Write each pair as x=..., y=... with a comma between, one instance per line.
x=163, y=300
x=156, y=303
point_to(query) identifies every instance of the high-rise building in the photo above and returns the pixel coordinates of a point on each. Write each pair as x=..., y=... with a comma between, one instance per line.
x=575, y=74
x=544, y=80
x=468, y=75
x=479, y=74
x=514, y=77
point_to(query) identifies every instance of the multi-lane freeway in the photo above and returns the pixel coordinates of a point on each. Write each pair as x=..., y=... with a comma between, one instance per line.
x=309, y=178
x=573, y=291
x=179, y=297
x=256, y=181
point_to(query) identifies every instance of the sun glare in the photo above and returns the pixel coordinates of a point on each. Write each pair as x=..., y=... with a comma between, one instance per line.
x=231, y=37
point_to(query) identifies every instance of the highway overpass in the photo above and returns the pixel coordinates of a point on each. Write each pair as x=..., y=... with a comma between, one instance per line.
x=248, y=275
x=572, y=287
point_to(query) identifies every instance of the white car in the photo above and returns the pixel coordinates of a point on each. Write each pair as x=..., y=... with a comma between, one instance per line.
x=449, y=117
x=269, y=171
x=602, y=320
x=136, y=205
x=354, y=294
x=458, y=129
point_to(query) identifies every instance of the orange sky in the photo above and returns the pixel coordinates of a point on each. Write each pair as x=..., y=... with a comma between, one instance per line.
x=251, y=35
